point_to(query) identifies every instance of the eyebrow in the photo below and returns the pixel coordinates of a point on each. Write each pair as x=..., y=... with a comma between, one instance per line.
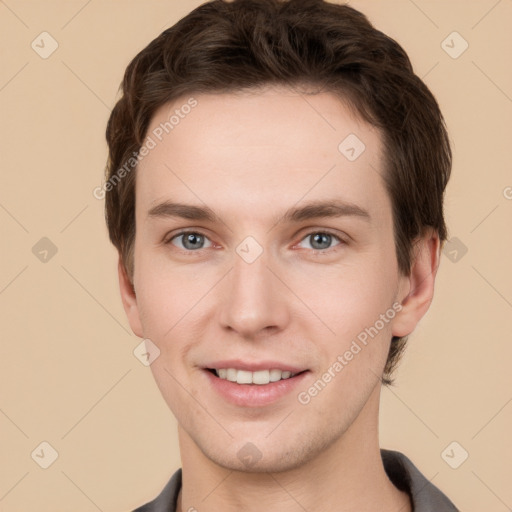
x=311, y=210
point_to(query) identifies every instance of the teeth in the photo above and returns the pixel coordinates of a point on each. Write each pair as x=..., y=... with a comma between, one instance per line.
x=243, y=377
x=230, y=374
x=260, y=377
x=275, y=375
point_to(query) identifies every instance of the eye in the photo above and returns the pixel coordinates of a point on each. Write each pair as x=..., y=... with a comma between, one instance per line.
x=190, y=240
x=320, y=240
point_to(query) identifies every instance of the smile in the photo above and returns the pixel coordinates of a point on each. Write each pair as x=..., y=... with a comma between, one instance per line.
x=260, y=377
x=258, y=388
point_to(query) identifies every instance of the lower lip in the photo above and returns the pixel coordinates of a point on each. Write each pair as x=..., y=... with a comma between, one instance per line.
x=254, y=395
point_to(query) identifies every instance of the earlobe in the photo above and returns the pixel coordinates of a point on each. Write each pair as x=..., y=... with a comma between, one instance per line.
x=129, y=300
x=421, y=284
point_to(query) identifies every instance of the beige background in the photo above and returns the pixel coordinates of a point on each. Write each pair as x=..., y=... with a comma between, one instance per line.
x=68, y=375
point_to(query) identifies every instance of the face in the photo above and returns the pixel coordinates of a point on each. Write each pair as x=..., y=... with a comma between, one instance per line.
x=287, y=264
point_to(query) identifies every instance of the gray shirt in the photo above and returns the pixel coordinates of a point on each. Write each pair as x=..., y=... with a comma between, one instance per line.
x=425, y=496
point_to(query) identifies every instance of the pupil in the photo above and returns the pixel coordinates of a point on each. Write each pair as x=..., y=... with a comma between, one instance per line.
x=193, y=240
x=321, y=239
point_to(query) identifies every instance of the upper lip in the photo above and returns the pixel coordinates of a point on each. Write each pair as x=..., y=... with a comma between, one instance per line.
x=253, y=366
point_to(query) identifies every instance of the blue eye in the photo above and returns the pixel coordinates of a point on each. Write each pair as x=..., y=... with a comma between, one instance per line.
x=190, y=240
x=194, y=241
x=320, y=240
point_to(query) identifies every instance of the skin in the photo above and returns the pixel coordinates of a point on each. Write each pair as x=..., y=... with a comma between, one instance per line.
x=249, y=157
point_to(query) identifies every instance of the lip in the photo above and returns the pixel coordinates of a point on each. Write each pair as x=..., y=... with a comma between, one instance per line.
x=254, y=395
x=253, y=366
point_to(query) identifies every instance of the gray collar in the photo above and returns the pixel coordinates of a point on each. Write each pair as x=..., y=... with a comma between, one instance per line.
x=425, y=496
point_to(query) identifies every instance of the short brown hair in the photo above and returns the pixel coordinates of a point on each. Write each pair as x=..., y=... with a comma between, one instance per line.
x=226, y=46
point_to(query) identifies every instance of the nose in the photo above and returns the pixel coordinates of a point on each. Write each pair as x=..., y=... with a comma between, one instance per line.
x=254, y=301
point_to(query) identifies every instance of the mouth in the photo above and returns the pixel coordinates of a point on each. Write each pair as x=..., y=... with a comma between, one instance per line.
x=258, y=378
x=253, y=385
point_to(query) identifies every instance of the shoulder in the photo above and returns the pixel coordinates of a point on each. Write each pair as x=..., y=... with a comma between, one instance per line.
x=166, y=500
x=425, y=496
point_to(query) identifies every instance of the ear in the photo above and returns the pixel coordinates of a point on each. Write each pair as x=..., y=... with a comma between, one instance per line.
x=129, y=300
x=417, y=289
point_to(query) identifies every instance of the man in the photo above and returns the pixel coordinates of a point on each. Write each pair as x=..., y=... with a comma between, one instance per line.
x=275, y=191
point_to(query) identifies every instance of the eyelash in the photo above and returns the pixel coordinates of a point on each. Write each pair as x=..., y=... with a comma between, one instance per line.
x=313, y=232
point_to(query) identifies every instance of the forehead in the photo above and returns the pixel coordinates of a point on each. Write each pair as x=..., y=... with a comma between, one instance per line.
x=268, y=148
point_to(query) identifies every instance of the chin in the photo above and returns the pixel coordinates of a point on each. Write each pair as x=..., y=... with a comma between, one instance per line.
x=274, y=463
x=267, y=456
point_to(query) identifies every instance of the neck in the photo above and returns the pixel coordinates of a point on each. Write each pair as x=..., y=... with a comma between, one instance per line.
x=347, y=476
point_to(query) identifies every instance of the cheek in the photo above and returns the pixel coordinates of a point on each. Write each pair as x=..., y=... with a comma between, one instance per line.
x=357, y=304
x=175, y=308
x=166, y=294
x=349, y=298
